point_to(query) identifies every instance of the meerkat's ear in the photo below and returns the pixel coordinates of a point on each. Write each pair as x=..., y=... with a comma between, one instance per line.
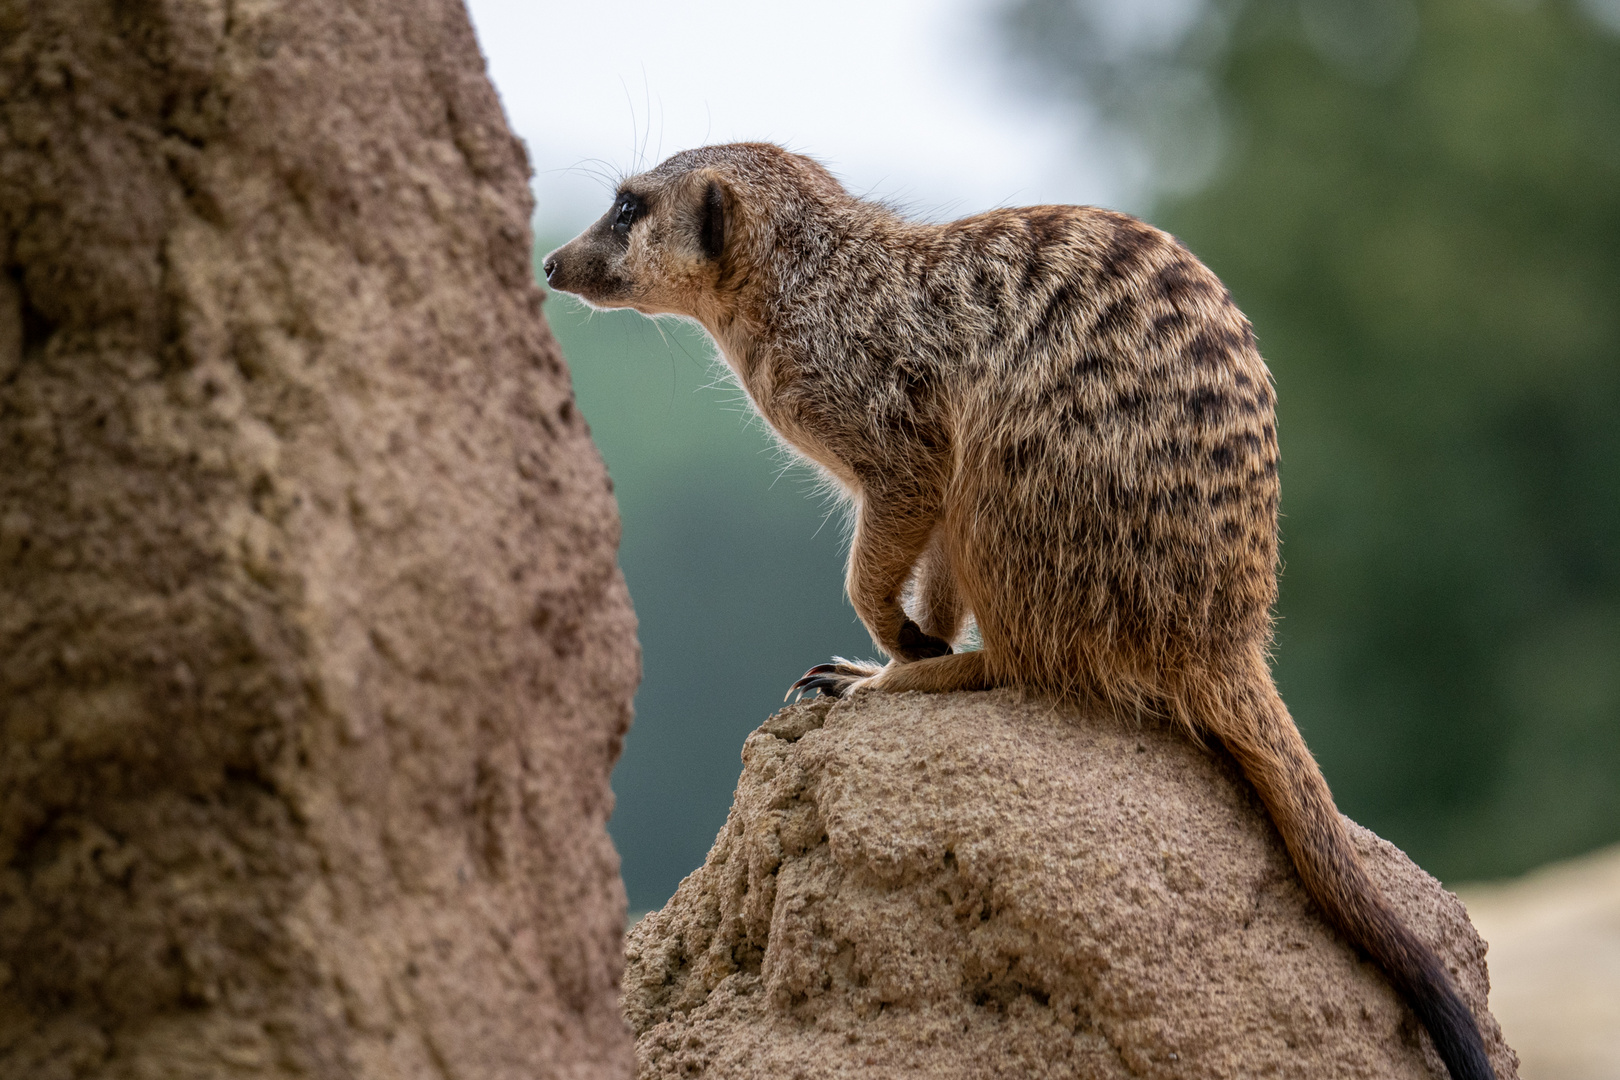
x=712, y=219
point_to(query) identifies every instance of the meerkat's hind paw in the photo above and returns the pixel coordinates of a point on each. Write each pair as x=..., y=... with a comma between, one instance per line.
x=832, y=680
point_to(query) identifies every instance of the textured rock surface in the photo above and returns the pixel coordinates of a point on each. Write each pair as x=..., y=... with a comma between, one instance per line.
x=314, y=657
x=971, y=886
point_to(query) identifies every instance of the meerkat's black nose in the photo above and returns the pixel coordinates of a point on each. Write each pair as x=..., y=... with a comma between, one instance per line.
x=549, y=266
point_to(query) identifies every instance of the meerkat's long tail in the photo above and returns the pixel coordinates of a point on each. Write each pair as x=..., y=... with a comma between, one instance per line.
x=1273, y=755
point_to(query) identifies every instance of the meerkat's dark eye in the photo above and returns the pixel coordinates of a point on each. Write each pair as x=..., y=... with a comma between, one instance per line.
x=628, y=211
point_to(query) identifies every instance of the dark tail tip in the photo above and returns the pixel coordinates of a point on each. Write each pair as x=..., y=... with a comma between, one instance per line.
x=1274, y=758
x=1451, y=1025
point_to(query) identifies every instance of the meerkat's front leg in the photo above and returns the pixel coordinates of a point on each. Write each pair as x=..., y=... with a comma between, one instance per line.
x=938, y=603
x=892, y=530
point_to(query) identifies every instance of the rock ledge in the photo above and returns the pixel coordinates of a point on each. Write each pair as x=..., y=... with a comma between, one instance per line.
x=978, y=886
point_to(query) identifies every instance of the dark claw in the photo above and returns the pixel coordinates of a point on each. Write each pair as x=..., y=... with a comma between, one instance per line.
x=831, y=680
x=804, y=682
x=809, y=677
x=825, y=685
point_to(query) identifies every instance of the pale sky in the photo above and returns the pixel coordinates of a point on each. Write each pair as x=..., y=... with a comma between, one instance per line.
x=903, y=99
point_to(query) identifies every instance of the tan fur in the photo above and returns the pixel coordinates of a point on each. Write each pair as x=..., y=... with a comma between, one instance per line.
x=1053, y=418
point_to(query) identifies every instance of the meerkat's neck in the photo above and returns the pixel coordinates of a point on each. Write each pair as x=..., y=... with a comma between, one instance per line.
x=792, y=292
x=736, y=341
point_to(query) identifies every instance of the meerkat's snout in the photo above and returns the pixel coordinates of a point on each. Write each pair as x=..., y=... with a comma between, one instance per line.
x=591, y=267
x=595, y=265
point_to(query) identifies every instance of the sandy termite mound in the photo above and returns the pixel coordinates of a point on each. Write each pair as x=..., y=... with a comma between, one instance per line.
x=975, y=885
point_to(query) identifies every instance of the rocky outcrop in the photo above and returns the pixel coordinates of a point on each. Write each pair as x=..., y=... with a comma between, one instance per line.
x=314, y=657
x=978, y=886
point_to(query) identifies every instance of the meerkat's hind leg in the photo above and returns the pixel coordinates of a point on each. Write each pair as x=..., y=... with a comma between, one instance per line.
x=936, y=675
x=834, y=680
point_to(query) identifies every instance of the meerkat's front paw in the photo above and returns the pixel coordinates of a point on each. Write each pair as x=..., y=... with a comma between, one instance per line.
x=833, y=680
x=916, y=645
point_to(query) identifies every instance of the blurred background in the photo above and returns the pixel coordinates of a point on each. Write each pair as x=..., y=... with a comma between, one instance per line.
x=1417, y=202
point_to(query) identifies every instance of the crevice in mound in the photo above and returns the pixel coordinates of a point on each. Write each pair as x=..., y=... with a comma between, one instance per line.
x=37, y=327
x=996, y=994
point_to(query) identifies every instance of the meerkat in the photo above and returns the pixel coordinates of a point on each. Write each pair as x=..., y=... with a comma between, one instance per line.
x=1051, y=420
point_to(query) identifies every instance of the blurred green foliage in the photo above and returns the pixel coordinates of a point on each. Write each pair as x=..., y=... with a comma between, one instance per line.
x=734, y=562
x=1418, y=205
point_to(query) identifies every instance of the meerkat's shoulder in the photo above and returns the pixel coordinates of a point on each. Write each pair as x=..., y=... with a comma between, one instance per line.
x=1046, y=237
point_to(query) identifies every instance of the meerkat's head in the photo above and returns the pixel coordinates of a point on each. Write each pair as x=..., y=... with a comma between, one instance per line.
x=686, y=237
